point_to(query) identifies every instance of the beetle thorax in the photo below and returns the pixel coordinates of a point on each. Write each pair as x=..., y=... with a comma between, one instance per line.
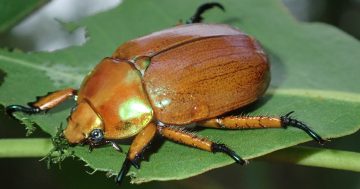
x=115, y=92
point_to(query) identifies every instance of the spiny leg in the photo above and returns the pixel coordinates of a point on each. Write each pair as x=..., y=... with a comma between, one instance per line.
x=44, y=103
x=139, y=144
x=183, y=137
x=253, y=122
x=197, y=18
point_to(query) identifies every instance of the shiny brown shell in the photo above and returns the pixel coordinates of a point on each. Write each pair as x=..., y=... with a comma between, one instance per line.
x=199, y=71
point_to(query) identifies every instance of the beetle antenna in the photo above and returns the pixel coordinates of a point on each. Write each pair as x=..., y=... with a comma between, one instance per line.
x=197, y=18
x=287, y=120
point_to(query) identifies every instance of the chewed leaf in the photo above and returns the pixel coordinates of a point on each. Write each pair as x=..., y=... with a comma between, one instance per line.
x=314, y=72
x=60, y=150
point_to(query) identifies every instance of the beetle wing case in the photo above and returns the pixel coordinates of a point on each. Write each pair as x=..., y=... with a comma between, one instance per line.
x=165, y=39
x=199, y=71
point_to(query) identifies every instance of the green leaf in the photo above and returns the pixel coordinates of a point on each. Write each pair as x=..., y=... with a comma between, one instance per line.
x=314, y=72
x=14, y=11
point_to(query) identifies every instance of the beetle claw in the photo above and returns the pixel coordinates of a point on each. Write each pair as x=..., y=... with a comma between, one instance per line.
x=18, y=108
x=135, y=163
x=287, y=120
x=91, y=148
x=197, y=18
x=115, y=146
x=124, y=170
x=288, y=114
x=215, y=147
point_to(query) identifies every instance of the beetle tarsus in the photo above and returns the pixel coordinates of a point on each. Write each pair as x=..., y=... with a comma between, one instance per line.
x=124, y=170
x=136, y=163
x=287, y=120
x=91, y=147
x=18, y=108
x=222, y=148
x=197, y=18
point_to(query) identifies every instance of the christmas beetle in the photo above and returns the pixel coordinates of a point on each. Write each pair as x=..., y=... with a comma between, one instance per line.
x=191, y=74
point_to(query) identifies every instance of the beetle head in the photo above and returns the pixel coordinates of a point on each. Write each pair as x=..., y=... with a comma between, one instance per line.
x=84, y=124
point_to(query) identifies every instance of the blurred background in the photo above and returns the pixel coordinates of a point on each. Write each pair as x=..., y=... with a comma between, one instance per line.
x=43, y=30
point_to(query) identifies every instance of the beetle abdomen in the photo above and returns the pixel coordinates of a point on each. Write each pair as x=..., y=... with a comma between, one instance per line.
x=205, y=78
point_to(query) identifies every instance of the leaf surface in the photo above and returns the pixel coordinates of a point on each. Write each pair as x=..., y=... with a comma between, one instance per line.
x=314, y=72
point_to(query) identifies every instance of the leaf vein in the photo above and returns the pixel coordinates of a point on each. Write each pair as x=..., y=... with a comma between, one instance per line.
x=44, y=68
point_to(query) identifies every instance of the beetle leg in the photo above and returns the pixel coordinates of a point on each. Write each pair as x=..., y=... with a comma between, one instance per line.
x=197, y=18
x=253, y=122
x=183, y=137
x=104, y=142
x=287, y=120
x=139, y=144
x=44, y=103
x=115, y=146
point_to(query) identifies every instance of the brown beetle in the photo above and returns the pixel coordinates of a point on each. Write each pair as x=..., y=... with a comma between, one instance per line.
x=162, y=82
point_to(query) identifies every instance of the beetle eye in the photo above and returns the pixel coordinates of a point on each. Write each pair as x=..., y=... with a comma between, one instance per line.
x=96, y=135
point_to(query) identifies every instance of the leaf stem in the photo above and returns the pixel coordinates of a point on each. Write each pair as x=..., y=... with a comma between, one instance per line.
x=317, y=157
x=21, y=148
x=309, y=156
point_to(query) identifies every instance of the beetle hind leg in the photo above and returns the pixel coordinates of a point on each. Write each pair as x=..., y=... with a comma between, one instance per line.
x=197, y=18
x=255, y=122
x=183, y=137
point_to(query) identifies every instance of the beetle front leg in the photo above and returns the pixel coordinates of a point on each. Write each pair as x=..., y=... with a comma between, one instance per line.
x=102, y=143
x=44, y=103
x=139, y=144
x=184, y=137
x=254, y=122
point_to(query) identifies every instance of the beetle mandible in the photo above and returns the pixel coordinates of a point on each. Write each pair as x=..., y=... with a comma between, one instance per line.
x=154, y=85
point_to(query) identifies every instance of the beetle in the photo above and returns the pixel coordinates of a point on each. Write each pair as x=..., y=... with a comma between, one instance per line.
x=158, y=84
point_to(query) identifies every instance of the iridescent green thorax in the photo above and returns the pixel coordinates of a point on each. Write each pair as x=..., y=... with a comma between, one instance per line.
x=116, y=91
x=133, y=108
x=135, y=113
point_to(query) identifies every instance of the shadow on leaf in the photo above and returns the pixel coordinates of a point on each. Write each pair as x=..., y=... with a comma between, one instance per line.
x=277, y=69
x=2, y=76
